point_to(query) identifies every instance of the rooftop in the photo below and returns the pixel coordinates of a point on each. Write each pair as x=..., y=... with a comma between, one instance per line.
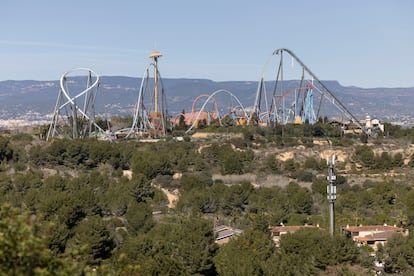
x=381, y=236
x=292, y=228
x=377, y=228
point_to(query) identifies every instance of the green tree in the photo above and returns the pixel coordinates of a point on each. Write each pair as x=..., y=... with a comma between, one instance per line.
x=245, y=255
x=23, y=247
x=196, y=181
x=181, y=121
x=393, y=130
x=271, y=165
x=399, y=254
x=139, y=217
x=397, y=160
x=232, y=164
x=269, y=200
x=318, y=130
x=140, y=188
x=289, y=165
x=55, y=183
x=300, y=199
x=236, y=198
x=365, y=155
x=76, y=153
x=55, y=152
x=179, y=245
x=92, y=240
x=309, y=251
x=311, y=248
x=23, y=182
x=150, y=163
x=345, y=250
x=116, y=198
x=163, y=265
x=409, y=202
x=6, y=152
x=363, y=137
x=384, y=161
x=319, y=186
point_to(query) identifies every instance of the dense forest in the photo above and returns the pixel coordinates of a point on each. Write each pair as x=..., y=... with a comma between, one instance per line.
x=90, y=207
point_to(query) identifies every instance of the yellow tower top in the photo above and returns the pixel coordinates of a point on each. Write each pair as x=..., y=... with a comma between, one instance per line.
x=155, y=54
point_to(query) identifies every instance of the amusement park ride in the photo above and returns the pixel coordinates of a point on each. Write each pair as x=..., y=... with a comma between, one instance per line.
x=302, y=108
x=150, y=113
x=74, y=115
x=295, y=95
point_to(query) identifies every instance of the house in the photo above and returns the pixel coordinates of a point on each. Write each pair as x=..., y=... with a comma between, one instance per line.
x=376, y=124
x=372, y=125
x=225, y=233
x=369, y=125
x=277, y=231
x=347, y=127
x=339, y=122
x=371, y=235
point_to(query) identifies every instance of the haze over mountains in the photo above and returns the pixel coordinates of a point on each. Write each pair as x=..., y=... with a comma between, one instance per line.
x=34, y=100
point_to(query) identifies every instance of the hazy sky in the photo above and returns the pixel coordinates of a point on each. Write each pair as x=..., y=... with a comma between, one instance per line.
x=366, y=43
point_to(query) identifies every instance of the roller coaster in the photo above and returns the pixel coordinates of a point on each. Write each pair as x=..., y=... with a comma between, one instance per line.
x=296, y=96
x=302, y=99
x=150, y=117
x=74, y=113
x=236, y=113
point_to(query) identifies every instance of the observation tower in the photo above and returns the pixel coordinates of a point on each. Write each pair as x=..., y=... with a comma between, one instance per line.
x=150, y=110
x=155, y=55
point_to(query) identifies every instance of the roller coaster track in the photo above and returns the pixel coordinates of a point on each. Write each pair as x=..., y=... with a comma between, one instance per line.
x=147, y=121
x=193, y=112
x=70, y=113
x=212, y=97
x=327, y=94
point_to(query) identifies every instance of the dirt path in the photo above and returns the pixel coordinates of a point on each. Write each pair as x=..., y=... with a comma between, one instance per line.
x=172, y=198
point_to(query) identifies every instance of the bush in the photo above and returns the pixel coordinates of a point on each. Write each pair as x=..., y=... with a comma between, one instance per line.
x=302, y=175
x=20, y=167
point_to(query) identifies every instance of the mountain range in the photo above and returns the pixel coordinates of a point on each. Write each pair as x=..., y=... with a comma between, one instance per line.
x=34, y=100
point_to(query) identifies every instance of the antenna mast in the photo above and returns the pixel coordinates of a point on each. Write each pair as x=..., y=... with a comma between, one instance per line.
x=331, y=192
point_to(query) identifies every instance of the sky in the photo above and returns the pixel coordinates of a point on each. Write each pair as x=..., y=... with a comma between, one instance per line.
x=367, y=43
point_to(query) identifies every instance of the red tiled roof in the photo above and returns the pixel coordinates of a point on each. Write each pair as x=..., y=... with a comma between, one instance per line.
x=290, y=229
x=380, y=228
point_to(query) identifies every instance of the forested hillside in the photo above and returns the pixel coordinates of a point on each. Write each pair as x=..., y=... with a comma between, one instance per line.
x=90, y=207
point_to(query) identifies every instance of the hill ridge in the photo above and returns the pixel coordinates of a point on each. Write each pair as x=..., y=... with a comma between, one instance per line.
x=119, y=94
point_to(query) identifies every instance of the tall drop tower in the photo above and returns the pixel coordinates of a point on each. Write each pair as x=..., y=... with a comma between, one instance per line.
x=150, y=111
x=155, y=55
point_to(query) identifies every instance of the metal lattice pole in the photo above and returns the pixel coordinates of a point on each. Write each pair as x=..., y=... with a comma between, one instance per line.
x=331, y=193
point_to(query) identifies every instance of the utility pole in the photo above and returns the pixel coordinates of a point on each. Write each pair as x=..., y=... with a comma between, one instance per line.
x=331, y=192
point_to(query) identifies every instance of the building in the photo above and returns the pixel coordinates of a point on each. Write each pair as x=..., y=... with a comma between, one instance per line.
x=372, y=125
x=376, y=125
x=277, y=231
x=348, y=127
x=225, y=233
x=372, y=235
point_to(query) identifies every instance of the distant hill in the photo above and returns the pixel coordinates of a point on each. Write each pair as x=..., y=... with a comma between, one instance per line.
x=33, y=99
